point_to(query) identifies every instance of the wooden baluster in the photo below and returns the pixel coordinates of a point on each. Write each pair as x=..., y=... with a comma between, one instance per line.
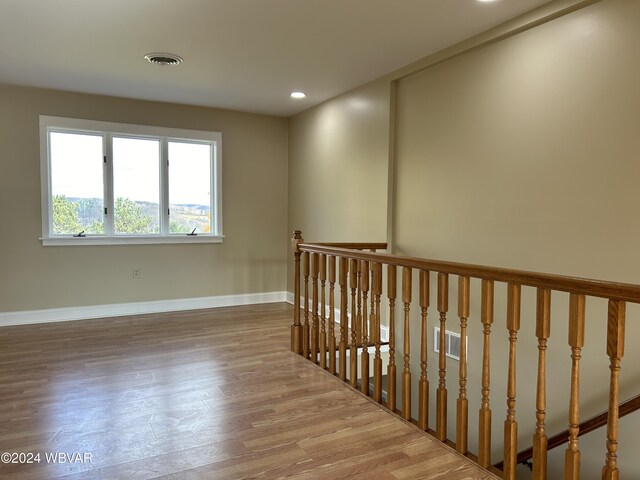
x=353, y=354
x=406, y=373
x=342, y=357
x=359, y=312
x=306, y=329
x=296, y=328
x=323, y=311
x=462, y=405
x=441, y=393
x=391, y=368
x=543, y=330
x=373, y=308
x=423, y=384
x=315, y=330
x=364, y=381
x=615, y=351
x=510, y=424
x=332, y=320
x=484, y=429
x=576, y=341
x=377, y=361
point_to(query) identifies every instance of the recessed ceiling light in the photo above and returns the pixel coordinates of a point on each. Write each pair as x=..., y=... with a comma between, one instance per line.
x=486, y=1
x=298, y=94
x=163, y=59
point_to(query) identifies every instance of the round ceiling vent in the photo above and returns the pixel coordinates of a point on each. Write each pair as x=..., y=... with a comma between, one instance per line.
x=163, y=59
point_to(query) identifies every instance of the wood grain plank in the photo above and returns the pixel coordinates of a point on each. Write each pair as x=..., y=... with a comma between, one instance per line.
x=200, y=394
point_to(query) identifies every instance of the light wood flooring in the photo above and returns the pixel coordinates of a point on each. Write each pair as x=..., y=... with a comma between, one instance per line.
x=208, y=394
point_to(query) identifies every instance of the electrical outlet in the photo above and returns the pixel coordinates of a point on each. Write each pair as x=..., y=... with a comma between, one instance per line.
x=136, y=272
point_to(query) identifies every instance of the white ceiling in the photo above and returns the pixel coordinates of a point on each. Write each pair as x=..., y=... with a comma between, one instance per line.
x=238, y=54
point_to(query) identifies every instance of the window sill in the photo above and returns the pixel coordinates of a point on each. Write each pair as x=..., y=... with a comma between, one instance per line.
x=130, y=240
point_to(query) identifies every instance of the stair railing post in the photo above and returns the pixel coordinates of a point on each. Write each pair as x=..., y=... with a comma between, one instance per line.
x=462, y=404
x=364, y=380
x=423, y=383
x=441, y=392
x=484, y=416
x=615, y=351
x=296, y=328
x=323, y=311
x=315, y=323
x=576, y=342
x=353, y=352
x=332, y=319
x=306, y=329
x=543, y=330
x=510, y=424
x=406, y=371
x=342, y=346
x=391, y=367
x=377, y=361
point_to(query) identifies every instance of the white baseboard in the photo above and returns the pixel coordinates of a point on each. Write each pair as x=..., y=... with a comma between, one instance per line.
x=384, y=330
x=137, y=308
x=289, y=298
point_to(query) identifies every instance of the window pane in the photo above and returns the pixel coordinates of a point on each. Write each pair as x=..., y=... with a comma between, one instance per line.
x=190, y=187
x=77, y=191
x=136, y=185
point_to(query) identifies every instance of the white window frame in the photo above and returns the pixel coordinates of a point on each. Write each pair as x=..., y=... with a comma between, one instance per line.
x=107, y=130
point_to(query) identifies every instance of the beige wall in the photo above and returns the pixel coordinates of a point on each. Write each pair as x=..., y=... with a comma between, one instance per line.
x=528, y=143
x=338, y=161
x=523, y=154
x=251, y=259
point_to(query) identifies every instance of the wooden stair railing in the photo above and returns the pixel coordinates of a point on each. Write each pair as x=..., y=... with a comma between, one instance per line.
x=588, y=426
x=360, y=270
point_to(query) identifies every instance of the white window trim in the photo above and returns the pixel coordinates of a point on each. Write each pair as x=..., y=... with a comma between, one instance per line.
x=48, y=123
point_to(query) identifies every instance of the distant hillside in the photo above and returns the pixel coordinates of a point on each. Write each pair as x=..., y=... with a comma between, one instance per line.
x=184, y=217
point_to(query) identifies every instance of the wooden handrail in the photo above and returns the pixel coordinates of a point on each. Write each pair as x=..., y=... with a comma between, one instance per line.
x=597, y=288
x=355, y=245
x=600, y=420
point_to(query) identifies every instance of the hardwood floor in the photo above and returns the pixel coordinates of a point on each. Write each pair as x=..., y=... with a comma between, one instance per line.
x=207, y=394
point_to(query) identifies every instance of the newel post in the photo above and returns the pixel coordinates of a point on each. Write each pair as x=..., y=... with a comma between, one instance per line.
x=296, y=328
